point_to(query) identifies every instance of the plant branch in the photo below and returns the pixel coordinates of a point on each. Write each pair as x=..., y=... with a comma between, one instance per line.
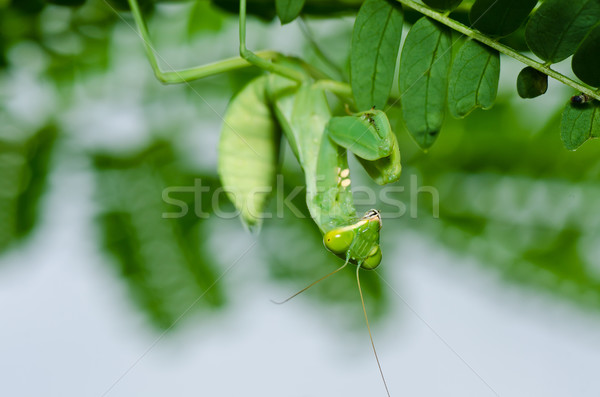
x=459, y=27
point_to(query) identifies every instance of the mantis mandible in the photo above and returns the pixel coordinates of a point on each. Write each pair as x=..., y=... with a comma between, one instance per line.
x=291, y=99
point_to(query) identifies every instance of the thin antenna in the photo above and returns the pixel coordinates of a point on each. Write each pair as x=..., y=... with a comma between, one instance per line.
x=321, y=279
x=369, y=329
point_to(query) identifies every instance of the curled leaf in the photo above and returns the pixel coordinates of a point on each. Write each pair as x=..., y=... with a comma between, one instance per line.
x=531, y=83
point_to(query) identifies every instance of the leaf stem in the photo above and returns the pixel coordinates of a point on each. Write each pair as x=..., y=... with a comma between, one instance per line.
x=467, y=31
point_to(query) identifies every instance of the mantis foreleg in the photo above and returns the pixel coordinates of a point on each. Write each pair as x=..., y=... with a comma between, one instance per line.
x=247, y=58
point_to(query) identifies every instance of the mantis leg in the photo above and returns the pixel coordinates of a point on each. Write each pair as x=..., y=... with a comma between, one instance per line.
x=259, y=59
x=370, y=137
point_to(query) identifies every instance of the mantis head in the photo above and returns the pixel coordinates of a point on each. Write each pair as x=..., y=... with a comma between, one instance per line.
x=358, y=242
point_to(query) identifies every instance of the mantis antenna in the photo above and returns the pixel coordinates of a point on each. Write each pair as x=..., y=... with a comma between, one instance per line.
x=369, y=329
x=315, y=282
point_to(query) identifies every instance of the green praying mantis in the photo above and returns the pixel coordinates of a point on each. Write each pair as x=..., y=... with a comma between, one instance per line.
x=291, y=99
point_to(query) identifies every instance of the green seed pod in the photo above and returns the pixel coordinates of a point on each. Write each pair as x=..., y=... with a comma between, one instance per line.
x=249, y=151
x=531, y=83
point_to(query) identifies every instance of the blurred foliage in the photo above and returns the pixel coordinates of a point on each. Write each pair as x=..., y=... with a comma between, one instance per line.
x=516, y=200
x=510, y=196
x=163, y=258
x=24, y=163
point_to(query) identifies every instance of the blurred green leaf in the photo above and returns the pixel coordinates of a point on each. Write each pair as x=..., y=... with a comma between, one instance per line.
x=555, y=30
x=29, y=6
x=423, y=80
x=500, y=17
x=161, y=253
x=375, y=46
x=288, y=10
x=204, y=17
x=520, y=205
x=24, y=164
x=70, y=3
x=579, y=123
x=473, y=80
x=531, y=83
x=265, y=9
x=586, y=61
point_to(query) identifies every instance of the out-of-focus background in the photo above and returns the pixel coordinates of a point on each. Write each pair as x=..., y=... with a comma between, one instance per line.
x=100, y=295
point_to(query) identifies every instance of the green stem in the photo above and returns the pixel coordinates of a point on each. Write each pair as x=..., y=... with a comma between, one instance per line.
x=459, y=27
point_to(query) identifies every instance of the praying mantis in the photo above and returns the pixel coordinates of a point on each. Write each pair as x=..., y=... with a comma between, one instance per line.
x=291, y=99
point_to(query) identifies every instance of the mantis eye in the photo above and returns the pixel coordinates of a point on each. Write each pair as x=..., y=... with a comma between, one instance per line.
x=338, y=241
x=373, y=260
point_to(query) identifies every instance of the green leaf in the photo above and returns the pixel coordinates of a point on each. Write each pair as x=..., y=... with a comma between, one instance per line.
x=204, y=17
x=531, y=83
x=558, y=26
x=586, y=61
x=249, y=151
x=499, y=17
x=150, y=222
x=473, y=80
x=375, y=45
x=579, y=123
x=71, y=3
x=423, y=80
x=442, y=5
x=24, y=164
x=288, y=10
